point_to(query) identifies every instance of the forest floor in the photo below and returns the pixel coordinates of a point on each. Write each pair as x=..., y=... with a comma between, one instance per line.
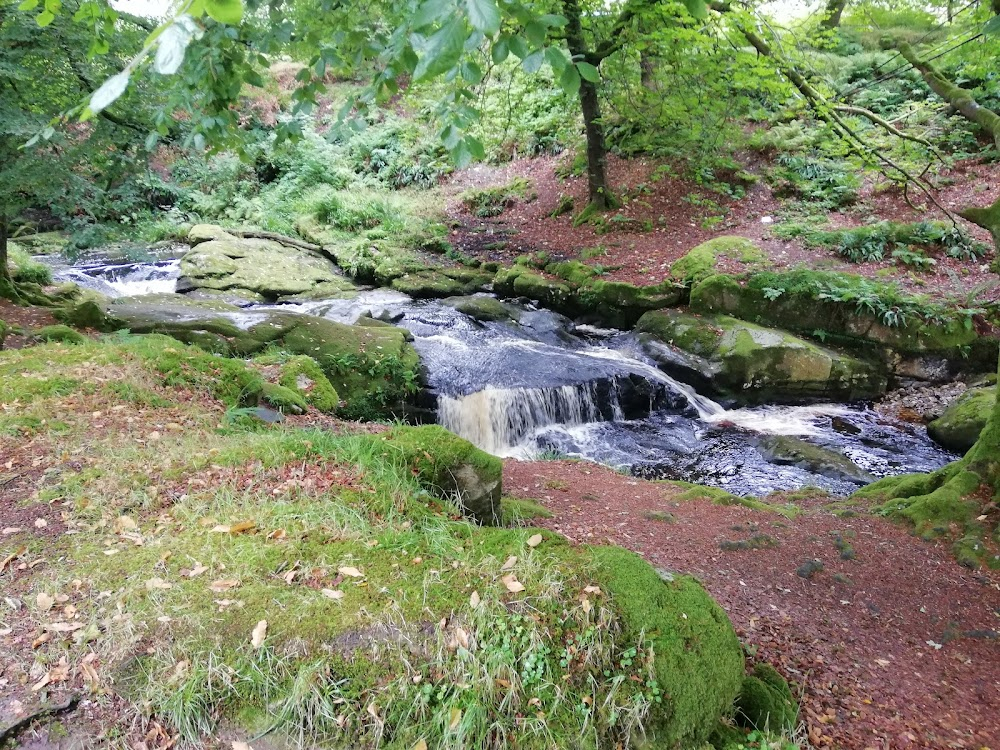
x=891, y=644
x=683, y=214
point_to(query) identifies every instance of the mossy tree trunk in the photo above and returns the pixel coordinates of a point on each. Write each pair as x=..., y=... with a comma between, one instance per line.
x=834, y=12
x=590, y=106
x=955, y=95
x=6, y=282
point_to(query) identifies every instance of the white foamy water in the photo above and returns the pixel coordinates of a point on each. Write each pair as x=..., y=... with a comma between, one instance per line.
x=126, y=280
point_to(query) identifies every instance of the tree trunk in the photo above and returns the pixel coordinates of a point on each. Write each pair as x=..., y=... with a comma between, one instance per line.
x=4, y=268
x=956, y=96
x=597, y=181
x=834, y=11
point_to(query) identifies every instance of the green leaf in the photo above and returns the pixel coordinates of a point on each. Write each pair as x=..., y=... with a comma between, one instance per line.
x=484, y=16
x=588, y=72
x=570, y=80
x=535, y=32
x=993, y=26
x=500, y=51
x=429, y=12
x=225, y=11
x=28, y=5
x=533, y=62
x=441, y=51
x=697, y=8
x=471, y=72
x=519, y=47
x=475, y=147
x=550, y=19
x=556, y=59
x=45, y=18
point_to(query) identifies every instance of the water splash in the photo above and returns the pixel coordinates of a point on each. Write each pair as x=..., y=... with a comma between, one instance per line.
x=125, y=280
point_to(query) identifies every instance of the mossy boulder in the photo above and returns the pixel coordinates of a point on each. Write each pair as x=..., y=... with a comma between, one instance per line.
x=451, y=467
x=484, y=308
x=440, y=283
x=959, y=427
x=283, y=399
x=59, y=333
x=765, y=701
x=257, y=268
x=579, y=292
x=699, y=662
x=914, y=337
x=702, y=261
x=791, y=451
x=303, y=375
x=749, y=363
x=374, y=371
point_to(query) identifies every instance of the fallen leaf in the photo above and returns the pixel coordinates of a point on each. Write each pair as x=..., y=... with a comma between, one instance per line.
x=421, y=745
x=197, y=570
x=259, y=634
x=474, y=599
x=63, y=627
x=350, y=572
x=510, y=563
x=158, y=584
x=41, y=683
x=224, y=585
x=41, y=523
x=11, y=530
x=237, y=745
x=592, y=590
x=11, y=558
x=513, y=585
x=462, y=637
x=882, y=662
x=331, y=594
x=242, y=527
x=456, y=718
x=44, y=602
x=535, y=540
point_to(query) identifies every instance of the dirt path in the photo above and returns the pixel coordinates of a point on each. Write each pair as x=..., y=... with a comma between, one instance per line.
x=892, y=644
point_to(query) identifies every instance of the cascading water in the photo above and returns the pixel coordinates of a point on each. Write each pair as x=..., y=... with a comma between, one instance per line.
x=124, y=279
x=542, y=385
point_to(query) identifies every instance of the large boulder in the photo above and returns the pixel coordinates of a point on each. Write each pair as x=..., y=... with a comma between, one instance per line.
x=752, y=364
x=374, y=370
x=257, y=269
x=785, y=450
x=958, y=428
x=706, y=259
x=578, y=291
x=916, y=339
x=450, y=467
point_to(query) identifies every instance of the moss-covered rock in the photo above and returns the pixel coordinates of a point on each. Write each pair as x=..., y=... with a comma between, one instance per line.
x=702, y=261
x=59, y=333
x=959, y=427
x=699, y=662
x=451, y=467
x=765, y=701
x=790, y=451
x=440, y=283
x=750, y=363
x=223, y=262
x=374, y=370
x=484, y=308
x=913, y=336
x=283, y=399
x=580, y=292
x=303, y=375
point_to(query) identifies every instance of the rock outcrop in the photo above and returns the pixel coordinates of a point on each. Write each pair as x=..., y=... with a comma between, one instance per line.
x=748, y=363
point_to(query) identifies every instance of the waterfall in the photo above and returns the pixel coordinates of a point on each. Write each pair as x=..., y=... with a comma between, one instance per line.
x=500, y=420
x=125, y=280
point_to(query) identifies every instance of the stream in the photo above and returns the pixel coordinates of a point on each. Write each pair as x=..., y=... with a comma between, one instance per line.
x=545, y=387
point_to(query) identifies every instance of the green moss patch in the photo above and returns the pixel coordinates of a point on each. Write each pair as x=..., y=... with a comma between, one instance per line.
x=702, y=261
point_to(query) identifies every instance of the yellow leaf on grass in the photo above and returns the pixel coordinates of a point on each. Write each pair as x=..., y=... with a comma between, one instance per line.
x=421, y=745
x=219, y=586
x=456, y=718
x=513, y=585
x=534, y=540
x=259, y=634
